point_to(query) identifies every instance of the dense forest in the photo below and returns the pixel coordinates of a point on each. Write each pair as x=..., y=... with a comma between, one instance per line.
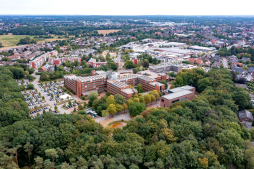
x=202, y=133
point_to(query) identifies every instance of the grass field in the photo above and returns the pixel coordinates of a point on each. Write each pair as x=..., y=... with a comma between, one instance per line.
x=104, y=32
x=10, y=40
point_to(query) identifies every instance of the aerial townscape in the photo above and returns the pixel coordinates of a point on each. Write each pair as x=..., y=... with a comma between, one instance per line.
x=126, y=92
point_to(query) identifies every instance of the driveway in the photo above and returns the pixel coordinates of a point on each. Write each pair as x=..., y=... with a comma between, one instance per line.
x=225, y=63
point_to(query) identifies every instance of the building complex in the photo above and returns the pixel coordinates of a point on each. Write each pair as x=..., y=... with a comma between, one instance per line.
x=100, y=81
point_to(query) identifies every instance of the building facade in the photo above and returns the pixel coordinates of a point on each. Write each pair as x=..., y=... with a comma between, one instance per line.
x=83, y=85
x=37, y=62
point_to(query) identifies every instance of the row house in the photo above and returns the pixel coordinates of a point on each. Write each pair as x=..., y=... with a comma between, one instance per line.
x=14, y=57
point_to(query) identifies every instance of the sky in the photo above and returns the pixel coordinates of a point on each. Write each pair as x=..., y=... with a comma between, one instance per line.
x=128, y=7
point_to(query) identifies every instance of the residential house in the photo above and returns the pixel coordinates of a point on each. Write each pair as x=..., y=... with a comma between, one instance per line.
x=246, y=118
x=245, y=115
x=233, y=58
x=244, y=59
x=192, y=60
x=237, y=69
x=251, y=69
x=42, y=69
x=216, y=65
x=199, y=61
x=14, y=57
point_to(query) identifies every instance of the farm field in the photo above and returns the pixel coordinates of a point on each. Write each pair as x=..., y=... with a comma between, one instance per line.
x=104, y=32
x=10, y=41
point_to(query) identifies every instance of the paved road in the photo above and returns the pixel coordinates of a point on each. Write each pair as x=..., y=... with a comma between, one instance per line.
x=225, y=62
x=51, y=103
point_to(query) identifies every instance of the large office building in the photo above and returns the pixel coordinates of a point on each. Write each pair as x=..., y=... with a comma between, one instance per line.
x=177, y=94
x=99, y=81
x=84, y=85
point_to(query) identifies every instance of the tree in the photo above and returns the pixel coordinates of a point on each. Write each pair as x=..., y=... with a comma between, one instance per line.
x=14, y=151
x=139, y=88
x=80, y=107
x=110, y=100
x=29, y=148
x=147, y=99
x=153, y=99
x=92, y=96
x=107, y=130
x=95, y=104
x=129, y=101
x=76, y=63
x=119, y=99
x=241, y=98
x=136, y=108
x=39, y=162
x=125, y=107
x=165, y=83
x=146, y=63
x=26, y=73
x=111, y=109
x=119, y=108
x=1, y=45
x=155, y=61
x=135, y=70
x=52, y=153
x=30, y=86
x=129, y=64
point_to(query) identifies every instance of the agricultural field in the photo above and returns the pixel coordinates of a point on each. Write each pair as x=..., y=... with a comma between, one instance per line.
x=104, y=32
x=10, y=41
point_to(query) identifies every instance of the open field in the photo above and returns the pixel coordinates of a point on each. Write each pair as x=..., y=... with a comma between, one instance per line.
x=10, y=41
x=104, y=32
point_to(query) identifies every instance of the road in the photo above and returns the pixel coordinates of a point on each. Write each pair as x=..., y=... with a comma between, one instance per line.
x=225, y=62
x=47, y=101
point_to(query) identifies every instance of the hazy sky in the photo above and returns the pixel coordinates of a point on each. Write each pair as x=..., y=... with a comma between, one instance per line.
x=128, y=7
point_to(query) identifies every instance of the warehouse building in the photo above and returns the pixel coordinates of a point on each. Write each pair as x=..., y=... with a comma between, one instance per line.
x=177, y=94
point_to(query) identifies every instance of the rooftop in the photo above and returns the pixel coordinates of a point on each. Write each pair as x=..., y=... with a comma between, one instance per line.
x=177, y=94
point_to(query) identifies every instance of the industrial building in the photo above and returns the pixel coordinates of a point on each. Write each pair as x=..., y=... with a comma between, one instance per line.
x=166, y=67
x=177, y=94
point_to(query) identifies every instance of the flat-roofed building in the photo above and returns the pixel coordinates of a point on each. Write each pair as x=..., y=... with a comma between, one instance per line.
x=83, y=85
x=177, y=94
x=166, y=67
